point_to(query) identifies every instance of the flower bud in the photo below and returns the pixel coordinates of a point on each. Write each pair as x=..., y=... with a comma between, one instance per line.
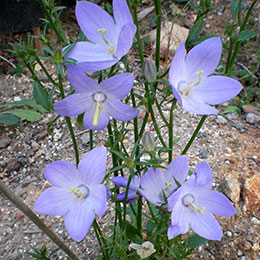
x=148, y=141
x=149, y=71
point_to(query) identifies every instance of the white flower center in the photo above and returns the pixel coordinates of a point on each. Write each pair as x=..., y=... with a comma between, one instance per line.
x=81, y=192
x=99, y=98
x=189, y=201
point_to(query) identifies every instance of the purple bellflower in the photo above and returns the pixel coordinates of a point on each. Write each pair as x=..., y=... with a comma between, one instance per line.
x=156, y=186
x=76, y=192
x=133, y=188
x=190, y=81
x=98, y=101
x=109, y=39
x=194, y=204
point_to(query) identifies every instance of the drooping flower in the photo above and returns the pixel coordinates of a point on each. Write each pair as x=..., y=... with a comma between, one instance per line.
x=76, y=192
x=133, y=188
x=109, y=39
x=191, y=84
x=156, y=186
x=194, y=204
x=98, y=101
x=144, y=250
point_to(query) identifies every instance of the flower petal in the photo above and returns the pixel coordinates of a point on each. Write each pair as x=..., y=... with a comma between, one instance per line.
x=216, y=203
x=177, y=169
x=90, y=18
x=121, y=12
x=98, y=198
x=204, y=56
x=217, y=89
x=80, y=81
x=120, y=181
x=62, y=174
x=119, y=110
x=152, y=184
x=55, y=201
x=205, y=225
x=174, y=231
x=118, y=86
x=125, y=39
x=73, y=105
x=203, y=175
x=78, y=220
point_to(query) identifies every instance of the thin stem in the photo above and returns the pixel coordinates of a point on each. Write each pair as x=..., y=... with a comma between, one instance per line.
x=202, y=120
x=157, y=4
x=152, y=213
x=170, y=129
x=90, y=139
x=161, y=113
x=28, y=212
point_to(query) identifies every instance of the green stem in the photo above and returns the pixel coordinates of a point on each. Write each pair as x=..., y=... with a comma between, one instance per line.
x=90, y=139
x=161, y=113
x=157, y=4
x=202, y=120
x=170, y=129
x=28, y=212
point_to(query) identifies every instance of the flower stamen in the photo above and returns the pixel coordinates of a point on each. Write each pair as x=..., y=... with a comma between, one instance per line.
x=97, y=108
x=199, y=73
x=112, y=49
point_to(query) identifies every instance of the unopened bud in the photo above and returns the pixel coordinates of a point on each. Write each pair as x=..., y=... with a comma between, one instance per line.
x=58, y=55
x=148, y=141
x=149, y=71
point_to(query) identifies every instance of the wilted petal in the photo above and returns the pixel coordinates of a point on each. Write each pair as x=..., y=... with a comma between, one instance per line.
x=125, y=39
x=204, y=56
x=118, y=86
x=121, y=13
x=73, y=105
x=205, y=225
x=92, y=166
x=54, y=201
x=62, y=174
x=119, y=110
x=217, y=89
x=78, y=220
x=98, y=198
x=216, y=203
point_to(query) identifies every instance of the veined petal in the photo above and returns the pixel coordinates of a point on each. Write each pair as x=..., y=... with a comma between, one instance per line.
x=62, y=174
x=80, y=81
x=174, y=231
x=95, y=65
x=177, y=169
x=216, y=203
x=205, y=225
x=121, y=12
x=118, y=86
x=125, y=39
x=217, y=89
x=119, y=110
x=203, y=57
x=73, y=105
x=120, y=181
x=203, y=175
x=152, y=185
x=98, y=198
x=55, y=201
x=90, y=18
x=102, y=122
x=78, y=220
x=92, y=166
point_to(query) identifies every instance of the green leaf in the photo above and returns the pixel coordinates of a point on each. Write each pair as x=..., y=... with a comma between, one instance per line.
x=235, y=6
x=195, y=240
x=29, y=115
x=246, y=35
x=41, y=96
x=230, y=109
x=195, y=30
x=80, y=120
x=133, y=233
x=6, y=119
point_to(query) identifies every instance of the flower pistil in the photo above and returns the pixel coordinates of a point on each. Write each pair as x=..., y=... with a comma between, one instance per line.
x=188, y=201
x=112, y=48
x=81, y=192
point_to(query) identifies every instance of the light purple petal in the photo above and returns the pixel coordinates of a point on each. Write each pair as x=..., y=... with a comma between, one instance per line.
x=80, y=81
x=103, y=119
x=203, y=175
x=205, y=225
x=178, y=169
x=73, y=105
x=204, y=56
x=131, y=196
x=90, y=18
x=78, y=220
x=217, y=89
x=118, y=86
x=54, y=201
x=62, y=174
x=216, y=203
x=92, y=166
x=125, y=39
x=152, y=184
x=120, y=181
x=121, y=12
x=174, y=231
x=98, y=198
x=174, y=198
x=119, y=110
x=196, y=106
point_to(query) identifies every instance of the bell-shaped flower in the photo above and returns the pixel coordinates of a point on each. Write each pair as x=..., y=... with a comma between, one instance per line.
x=191, y=82
x=156, y=186
x=76, y=192
x=132, y=191
x=98, y=101
x=194, y=204
x=109, y=39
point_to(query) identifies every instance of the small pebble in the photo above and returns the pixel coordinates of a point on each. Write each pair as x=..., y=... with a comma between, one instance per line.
x=252, y=118
x=255, y=221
